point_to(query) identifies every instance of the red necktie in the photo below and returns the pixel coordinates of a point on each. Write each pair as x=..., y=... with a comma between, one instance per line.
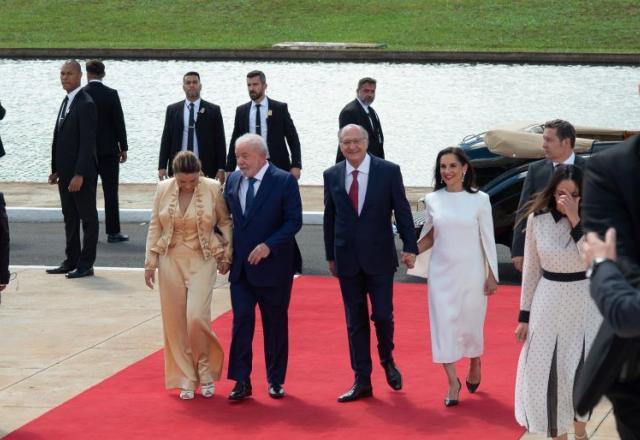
x=353, y=191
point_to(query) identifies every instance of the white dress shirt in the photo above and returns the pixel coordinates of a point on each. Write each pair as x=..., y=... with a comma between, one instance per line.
x=366, y=110
x=571, y=160
x=244, y=185
x=363, y=179
x=185, y=130
x=264, y=110
x=71, y=95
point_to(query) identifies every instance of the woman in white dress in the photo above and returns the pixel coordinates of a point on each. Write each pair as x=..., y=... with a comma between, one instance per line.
x=463, y=268
x=558, y=321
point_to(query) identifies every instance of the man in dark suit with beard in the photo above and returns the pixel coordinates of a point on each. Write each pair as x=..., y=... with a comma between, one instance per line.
x=612, y=368
x=271, y=120
x=111, y=144
x=360, y=112
x=4, y=230
x=193, y=125
x=74, y=169
x=559, y=139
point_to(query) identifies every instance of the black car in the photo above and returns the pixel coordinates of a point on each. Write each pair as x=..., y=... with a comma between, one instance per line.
x=501, y=171
x=501, y=158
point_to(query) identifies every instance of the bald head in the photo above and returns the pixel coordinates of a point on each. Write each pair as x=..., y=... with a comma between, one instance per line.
x=70, y=75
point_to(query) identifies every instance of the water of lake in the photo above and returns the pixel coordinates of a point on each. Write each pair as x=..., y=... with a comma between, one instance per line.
x=422, y=107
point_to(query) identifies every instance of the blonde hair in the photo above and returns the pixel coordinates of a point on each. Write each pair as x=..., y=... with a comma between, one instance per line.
x=186, y=162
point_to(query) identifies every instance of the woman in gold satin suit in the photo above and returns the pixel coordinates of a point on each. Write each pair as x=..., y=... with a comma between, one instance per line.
x=183, y=246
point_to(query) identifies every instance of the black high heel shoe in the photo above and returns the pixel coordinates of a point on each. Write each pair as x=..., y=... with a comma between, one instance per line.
x=472, y=387
x=453, y=402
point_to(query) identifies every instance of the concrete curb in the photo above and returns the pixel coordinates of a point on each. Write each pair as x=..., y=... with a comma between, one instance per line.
x=347, y=55
x=54, y=215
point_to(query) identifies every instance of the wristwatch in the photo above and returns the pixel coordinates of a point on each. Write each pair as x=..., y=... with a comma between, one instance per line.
x=595, y=263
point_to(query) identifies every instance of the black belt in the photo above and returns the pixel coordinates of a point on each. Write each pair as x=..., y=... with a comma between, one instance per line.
x=564, y=277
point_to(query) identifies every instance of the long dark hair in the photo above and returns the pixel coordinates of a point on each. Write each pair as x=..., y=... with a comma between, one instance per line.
x=469, y=180
x=544, y=200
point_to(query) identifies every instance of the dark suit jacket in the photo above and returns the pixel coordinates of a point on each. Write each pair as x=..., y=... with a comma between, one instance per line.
x=274, y=219
x=538, y=176
x=366, y=242
x=212, y=147
x=280, y=132
x=2, y=113
x=611, y=199
x=353, y=113
x=111, y=137
x=73, y=151
x=4, y=243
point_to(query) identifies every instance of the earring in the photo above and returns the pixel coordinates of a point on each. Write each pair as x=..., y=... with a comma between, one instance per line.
x=464, y=174
x=442, y=180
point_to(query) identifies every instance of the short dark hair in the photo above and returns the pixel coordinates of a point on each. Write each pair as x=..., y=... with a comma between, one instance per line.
x=186, y=162
x=95, y=67
x=563, y=129
x=260, y=73
x=192, y=73
x=366, y=80
x=469, y=180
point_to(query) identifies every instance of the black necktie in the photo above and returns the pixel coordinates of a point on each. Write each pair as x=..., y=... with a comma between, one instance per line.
x=250, y=195
x=258, y=120
x=63, y=112
x=374, y=123
x=192, y=125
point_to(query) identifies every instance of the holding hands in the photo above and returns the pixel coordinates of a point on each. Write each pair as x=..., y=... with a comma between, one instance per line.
x=408, y=259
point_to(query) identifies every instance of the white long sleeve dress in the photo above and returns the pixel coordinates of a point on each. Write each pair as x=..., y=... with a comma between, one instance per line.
x=463, y=250
x=563, y=321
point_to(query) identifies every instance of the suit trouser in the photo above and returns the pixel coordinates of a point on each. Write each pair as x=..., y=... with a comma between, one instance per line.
x=4, y=243
x=109, y=170
x=274, y=306
x=354, y=295
x=192, y=353
x=625, y=399
x=80, y=207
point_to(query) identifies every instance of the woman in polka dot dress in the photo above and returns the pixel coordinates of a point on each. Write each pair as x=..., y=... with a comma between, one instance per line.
x=558, y=321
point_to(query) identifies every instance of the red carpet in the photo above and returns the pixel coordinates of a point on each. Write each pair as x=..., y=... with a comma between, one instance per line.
x=133, y=404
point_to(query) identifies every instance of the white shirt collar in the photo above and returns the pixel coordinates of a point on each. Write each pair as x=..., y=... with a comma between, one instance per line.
x=71, y=95
x=362, y=168
x=196, y=103
x=263, y=104
x=364, y=106
x=95, y=80
x=260, y=174
x=571, y=160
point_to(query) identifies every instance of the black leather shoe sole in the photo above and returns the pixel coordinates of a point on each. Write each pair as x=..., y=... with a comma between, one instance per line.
x=117, y=238
x=59, y=270
x=80, y=273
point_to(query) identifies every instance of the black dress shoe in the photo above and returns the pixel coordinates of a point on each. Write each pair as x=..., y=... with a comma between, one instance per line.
x=276, y=391
x=60, y=269
x=394, y=378
x=117, y=238
x=80, y=273
x=357, y=391
x=453, y=402
x=240, y=391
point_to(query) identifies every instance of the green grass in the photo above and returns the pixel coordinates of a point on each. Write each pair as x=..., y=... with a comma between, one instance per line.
x=416, y=25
